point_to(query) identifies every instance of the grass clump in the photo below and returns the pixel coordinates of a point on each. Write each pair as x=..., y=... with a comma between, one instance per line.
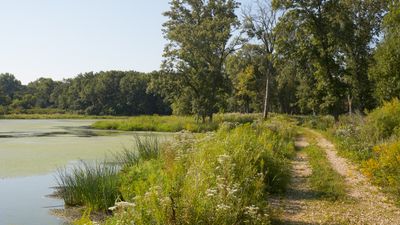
x=215, y=178
x=95, y=185
x=145, y=148
x=324, y=179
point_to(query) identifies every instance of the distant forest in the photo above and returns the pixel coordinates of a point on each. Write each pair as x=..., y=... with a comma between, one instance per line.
x=295, y=57
x=103, y=93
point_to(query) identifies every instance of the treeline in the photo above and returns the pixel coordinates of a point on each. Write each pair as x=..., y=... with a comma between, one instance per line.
x=103, y=93
x=288, y=56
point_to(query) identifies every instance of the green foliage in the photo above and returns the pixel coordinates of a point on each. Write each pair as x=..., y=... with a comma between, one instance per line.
x=246, y=69
x=324, y=179
x=327, y=49
x=93, y=185
x=173, y=123
x=221, y=178
x=386, y=70
x=199, y=35
x=103, y=93
x=383, y=122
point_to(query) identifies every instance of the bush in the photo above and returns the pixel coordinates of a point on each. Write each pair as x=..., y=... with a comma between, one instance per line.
x=351, y=138
x=383, y=122
x=384, y=167
x=221, y=178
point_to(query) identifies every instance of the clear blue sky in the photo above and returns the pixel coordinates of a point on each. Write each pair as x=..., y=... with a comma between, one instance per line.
x=62, y=38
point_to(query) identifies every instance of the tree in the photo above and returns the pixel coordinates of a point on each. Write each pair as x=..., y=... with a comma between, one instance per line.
x=246, y=70
x=41, y=91
x=360, y=21
x=311, y=29
x=386, y=69
x=9, y=87
x=200, y=39
x=261, y=26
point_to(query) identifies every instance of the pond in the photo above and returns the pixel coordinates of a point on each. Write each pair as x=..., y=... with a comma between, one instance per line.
x=30, y=153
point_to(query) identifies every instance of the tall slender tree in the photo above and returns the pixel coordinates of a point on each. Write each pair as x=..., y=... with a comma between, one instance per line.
x=261, y=25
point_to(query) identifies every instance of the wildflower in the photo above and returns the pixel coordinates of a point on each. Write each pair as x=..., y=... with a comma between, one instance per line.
x=251, y=210
x=223, y=158
x=223, y=207
x=211, y=192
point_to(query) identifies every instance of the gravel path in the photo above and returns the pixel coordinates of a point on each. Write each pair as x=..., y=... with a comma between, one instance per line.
x=365, y=204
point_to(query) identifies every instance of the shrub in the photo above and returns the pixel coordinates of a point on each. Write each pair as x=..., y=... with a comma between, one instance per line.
x=383, y=122
x=384, y=167
x=351, y=138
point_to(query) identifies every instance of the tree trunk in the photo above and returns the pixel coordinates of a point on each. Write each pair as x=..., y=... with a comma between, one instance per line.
x=266, y=99
x=350, y=103
x=203, y=118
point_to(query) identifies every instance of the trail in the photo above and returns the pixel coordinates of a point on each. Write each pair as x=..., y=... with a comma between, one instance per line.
x=365, y=203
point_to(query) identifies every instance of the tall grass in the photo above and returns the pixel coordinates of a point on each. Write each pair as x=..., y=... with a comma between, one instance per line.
x=145, y=148
x=94, y=185
x=173, y=123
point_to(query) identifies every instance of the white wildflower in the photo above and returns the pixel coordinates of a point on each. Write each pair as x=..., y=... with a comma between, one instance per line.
x=211, y=192
x=223, y=207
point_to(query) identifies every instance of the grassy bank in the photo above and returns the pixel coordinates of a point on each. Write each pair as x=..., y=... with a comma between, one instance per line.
x=173, y=123
x=221, y=178
x=215, y=178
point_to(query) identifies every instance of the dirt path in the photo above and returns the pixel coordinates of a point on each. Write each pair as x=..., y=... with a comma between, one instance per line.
x=365, y=204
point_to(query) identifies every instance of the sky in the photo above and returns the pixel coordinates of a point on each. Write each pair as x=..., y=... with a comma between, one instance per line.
x=62, y=38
